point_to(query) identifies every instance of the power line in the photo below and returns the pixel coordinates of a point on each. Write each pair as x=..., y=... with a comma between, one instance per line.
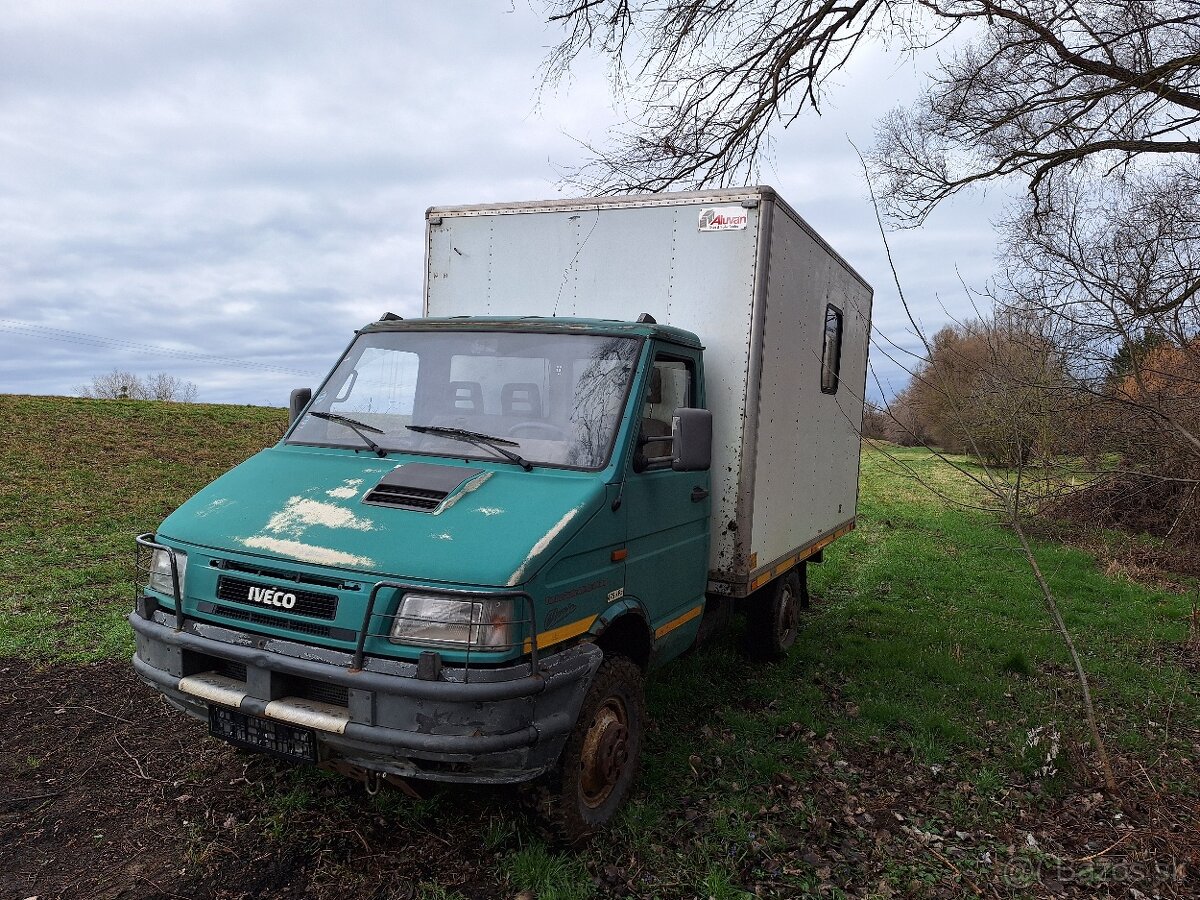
x=46, y=332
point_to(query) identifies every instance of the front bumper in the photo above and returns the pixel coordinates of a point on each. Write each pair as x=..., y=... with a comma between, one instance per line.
x=477, y=725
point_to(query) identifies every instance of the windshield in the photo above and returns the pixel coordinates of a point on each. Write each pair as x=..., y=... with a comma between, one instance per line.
x=555, y=399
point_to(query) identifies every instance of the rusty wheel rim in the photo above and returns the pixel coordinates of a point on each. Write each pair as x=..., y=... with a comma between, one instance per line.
x=605, y=752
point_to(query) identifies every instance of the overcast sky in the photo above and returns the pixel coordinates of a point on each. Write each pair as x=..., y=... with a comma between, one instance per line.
x=225, y=191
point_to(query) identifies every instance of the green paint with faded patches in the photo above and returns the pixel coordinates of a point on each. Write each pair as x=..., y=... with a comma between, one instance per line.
x=288, y=509
x=293, y=517
x=287, y=502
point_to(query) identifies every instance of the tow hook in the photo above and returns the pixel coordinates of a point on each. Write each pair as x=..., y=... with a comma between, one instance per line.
x=372, y=782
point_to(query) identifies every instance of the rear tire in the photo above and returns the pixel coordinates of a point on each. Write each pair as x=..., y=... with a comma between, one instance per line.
x=600, y=760
x=773, y=617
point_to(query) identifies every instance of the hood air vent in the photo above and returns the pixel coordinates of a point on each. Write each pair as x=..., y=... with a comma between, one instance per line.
x=418, y=486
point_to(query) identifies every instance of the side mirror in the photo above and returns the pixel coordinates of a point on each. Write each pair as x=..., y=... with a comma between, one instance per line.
x=691, y=440
x=296, y=403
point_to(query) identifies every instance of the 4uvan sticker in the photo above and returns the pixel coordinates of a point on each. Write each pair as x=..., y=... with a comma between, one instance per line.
x=723, y=218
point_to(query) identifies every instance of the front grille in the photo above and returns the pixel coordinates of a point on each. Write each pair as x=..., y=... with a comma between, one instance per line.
x=337, y=694
x=257, y=618
x=308, y=603
x=280, y=574
x=405, y=497
x=229, y=668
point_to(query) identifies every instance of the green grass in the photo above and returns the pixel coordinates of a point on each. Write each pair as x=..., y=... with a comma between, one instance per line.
x=927, y=645
x=81, y=479
x=549, y=876
x=934, y=620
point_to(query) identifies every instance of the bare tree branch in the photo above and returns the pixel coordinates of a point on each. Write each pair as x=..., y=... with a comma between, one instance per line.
x=1043, y=85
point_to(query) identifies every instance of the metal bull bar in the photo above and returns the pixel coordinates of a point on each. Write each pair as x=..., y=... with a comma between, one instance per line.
x=146, y=542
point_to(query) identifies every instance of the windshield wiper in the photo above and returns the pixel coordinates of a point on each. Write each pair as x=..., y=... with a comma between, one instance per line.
x=359, y=428
x=474, y=437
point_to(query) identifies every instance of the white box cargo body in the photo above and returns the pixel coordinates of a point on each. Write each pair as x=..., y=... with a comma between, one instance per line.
x=755, y=282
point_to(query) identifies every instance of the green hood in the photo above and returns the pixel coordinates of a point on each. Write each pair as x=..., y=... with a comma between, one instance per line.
x=305, y=504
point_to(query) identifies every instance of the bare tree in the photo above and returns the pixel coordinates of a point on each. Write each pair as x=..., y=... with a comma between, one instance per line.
x=123, y=385
x=875, y=421
x=1047, y=85
x=996, y=387
x=1093, y=104
x=114, y=385
x=162, y=386
x=1112, y=262
x=1042, y=85
x=906, y=425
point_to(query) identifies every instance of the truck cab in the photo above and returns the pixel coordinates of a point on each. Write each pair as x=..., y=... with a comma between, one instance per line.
x=468, y=526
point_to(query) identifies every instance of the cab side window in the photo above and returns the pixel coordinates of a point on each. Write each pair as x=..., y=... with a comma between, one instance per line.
x=671, y=386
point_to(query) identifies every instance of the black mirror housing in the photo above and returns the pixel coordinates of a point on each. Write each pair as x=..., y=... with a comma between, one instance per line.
x=296, y=403
x=691, y=440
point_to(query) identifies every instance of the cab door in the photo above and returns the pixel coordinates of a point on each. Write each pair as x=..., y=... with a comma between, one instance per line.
x=667, y=511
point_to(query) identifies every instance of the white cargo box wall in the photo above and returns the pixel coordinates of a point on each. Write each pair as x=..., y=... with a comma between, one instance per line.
x=744, y=272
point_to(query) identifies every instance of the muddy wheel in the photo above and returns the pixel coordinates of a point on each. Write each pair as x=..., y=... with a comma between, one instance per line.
x=600, y=760
x=773, y=617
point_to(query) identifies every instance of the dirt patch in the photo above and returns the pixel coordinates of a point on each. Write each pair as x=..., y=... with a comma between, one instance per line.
x=106, y=792
x=888, y=826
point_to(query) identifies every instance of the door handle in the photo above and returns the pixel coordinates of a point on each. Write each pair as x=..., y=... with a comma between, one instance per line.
x=698, y=494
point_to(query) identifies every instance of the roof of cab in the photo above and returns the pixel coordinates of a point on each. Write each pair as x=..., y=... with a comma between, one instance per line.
x=541, y=323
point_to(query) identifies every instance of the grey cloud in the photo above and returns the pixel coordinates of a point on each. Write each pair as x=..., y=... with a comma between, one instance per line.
x=249, y=180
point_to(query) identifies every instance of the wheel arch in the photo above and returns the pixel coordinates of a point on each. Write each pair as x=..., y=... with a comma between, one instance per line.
x=626, y=630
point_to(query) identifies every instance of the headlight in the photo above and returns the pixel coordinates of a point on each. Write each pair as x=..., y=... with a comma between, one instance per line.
x=451, y=622
x=160, y=571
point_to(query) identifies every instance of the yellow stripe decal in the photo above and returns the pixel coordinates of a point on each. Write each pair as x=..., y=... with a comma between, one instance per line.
x=574, y=629
x=560, y=634
x=682, y=620
x=827, y=540
x=795, y=559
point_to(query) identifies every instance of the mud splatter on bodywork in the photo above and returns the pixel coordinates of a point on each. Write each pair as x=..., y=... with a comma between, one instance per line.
x=346, y=490
x=300, y=513
x=214, y=507
x=541, y=546
x=473, y=485
x=307, y=552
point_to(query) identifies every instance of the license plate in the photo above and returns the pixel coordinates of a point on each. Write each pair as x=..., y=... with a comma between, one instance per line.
x=264, y=735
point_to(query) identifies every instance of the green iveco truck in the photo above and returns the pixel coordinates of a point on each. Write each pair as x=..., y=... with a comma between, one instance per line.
x=618, y=418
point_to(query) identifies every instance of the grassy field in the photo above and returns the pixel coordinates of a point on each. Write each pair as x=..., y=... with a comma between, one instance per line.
x=922, y=739
x=81, y=479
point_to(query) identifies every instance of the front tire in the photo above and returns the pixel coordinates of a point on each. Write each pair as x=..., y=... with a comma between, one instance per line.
x=600, y=760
